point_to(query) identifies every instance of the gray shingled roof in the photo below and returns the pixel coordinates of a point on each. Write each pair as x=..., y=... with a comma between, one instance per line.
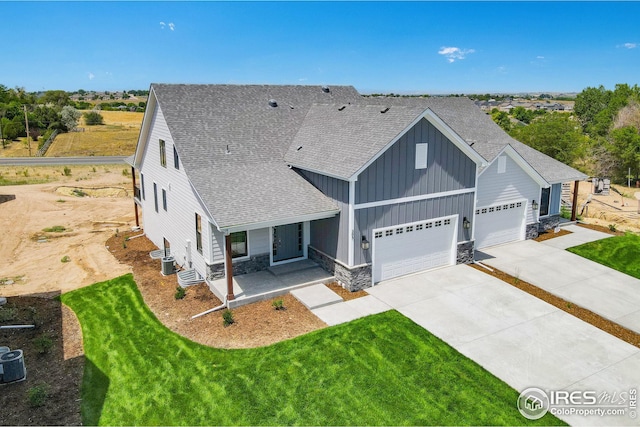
x=249, y=183
x=488, y=139
x=206, y=119
x=338, y=140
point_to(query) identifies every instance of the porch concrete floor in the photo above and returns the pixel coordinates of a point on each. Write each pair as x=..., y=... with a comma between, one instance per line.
x=277, y=280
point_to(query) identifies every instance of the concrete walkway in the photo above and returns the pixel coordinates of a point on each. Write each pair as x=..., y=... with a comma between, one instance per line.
x=520, y=339
x=547, y=265
x=332, y=309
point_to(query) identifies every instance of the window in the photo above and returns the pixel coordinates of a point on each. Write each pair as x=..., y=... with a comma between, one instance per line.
x=421, y=155
x=176, y=161
x=142, y=186
x=239, y=244
x=163, y=154
x=545, y=196
x=198, y=233
x=164, y=199
x=502, y=164
x=155, y=195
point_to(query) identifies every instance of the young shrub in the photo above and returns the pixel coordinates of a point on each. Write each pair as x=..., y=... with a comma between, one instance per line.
x=66, y=171
x=43, y=344
x=65, y=259
x=38, y=395
x=612, y=227
x=227, y=318
x=278, y=304
x=7, y=314
x=180, y=292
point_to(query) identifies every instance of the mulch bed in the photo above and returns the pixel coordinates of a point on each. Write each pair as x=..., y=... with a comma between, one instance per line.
x=53, y=360
x=255, y=325
x=551, y=235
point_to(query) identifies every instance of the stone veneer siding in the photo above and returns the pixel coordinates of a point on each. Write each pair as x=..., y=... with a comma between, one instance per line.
x=253, y=264
x=531, y=231
x=465, y=253
x=548, y=223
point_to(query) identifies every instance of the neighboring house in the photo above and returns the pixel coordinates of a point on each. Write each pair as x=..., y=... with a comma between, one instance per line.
x=237, y=178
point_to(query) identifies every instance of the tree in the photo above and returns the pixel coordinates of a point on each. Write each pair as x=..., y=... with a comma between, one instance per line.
x=625, y=147
x=589, y=103
x=557, y=135
x=502, y=119
x=69, y=117
x=92, y=118
x=11, y=129
x=58, y=98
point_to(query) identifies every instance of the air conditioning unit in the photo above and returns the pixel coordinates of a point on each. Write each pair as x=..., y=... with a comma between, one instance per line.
x=4, y=349
x=12, y=367
x=167, y=265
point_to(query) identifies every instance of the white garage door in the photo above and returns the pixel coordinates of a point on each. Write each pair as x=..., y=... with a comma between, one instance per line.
x=500, y=224
x=409, y=248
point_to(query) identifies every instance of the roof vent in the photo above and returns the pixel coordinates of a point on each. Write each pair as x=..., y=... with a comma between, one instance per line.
x=342, y=108
x=384, y=110
x=291, y=106
x=325, y=89
x=273, y=103
x=299, y=148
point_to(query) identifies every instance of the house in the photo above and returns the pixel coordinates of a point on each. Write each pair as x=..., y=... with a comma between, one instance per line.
x=233, y=179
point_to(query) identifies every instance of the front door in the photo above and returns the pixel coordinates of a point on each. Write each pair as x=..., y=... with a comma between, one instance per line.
x=287, y=242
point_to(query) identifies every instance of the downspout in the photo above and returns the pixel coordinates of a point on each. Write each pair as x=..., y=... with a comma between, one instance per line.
x=211, y=310
x=135, y=205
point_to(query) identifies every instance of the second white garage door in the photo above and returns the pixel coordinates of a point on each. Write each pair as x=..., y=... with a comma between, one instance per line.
x=500, y=224
x=409, y=248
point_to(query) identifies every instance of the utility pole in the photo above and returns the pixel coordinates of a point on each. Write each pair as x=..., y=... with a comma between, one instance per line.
x=26, y=120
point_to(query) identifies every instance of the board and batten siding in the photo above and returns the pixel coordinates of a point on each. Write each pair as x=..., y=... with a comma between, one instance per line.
x=177, y=223
x=331, y=235
x=512, y=184
x=366, y=220
x=394, y=175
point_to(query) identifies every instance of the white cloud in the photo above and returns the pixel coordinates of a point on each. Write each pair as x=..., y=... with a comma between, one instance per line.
x=454, y=53
x=539, y=57
x=630, y=45
x=171, y=25
x=303, y=79
x=90, y=75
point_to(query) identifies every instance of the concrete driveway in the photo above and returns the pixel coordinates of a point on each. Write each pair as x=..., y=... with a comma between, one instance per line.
x=517, y=337
x=547, y=265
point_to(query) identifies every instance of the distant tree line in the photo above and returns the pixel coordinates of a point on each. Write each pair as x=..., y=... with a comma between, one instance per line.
x=49, y=111
x=600, y=137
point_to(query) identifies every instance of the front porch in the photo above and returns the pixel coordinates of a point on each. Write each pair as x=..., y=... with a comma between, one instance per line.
x=272, y=282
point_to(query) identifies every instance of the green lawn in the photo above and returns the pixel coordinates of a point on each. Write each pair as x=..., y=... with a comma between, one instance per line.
x=618, y=252
x=379, y=370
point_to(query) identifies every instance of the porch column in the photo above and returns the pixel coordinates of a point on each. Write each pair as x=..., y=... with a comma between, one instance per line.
x=135, y=205
x=228, y=267
x=574, y=203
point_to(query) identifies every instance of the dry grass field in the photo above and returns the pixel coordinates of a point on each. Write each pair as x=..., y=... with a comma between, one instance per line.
x=69, y=175
x=117, y=137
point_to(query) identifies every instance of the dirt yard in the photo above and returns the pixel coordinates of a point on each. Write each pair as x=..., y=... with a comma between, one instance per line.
x=72, y=253
x=618, y=209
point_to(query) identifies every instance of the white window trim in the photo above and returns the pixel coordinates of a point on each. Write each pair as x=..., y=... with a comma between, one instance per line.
x=422, y=155
x=248, y=255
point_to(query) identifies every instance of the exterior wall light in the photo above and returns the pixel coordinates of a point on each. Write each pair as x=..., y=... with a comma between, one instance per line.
x=364, y=244
x=534, y=205
x=465, y=223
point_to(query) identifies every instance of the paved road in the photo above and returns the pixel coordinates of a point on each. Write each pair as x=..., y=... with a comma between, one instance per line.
x=61, y=161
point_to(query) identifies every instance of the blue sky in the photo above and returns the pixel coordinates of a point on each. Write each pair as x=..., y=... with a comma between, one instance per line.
x=401, y=47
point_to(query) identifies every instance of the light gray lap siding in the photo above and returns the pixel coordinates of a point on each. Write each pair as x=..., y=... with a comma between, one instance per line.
x=369, y=219
x=331, y=235
x=393, y=175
